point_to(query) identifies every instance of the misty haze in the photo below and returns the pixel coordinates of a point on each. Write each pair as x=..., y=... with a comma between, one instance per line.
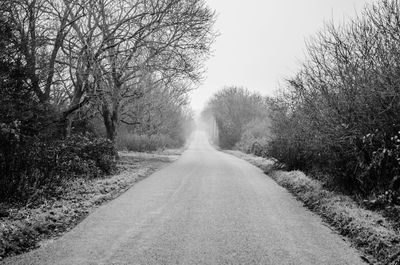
x=199, y=132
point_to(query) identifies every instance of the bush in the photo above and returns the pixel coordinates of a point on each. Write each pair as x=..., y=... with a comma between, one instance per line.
x=378, y=159
x=341, y=111
x=292, y=143
x=146, y=143
x=35, y=166
x=255, y=138
x=232, y=109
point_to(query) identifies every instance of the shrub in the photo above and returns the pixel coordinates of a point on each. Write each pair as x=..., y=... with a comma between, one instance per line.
x=255, y=137
x=233, y=108
x=35, y=166
x=378, y=159
x=292, y=142
x=341, y=111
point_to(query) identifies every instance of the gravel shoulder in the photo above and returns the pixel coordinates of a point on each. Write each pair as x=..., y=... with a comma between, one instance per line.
x=23, y=228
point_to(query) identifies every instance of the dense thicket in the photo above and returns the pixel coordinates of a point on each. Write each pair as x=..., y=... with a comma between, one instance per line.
x=341, y=111
x=33, y=163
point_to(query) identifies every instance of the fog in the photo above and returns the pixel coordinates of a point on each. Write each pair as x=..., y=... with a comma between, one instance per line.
x=262, y=42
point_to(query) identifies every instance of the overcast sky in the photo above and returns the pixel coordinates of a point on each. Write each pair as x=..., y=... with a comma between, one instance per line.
x=262, y=41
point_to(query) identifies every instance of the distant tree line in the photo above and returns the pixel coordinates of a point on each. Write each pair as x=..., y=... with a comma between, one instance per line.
x=237, y=111
x=340, y=113
x=66, y=65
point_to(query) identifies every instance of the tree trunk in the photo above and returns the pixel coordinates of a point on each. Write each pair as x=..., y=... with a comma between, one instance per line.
x=69, y=115
x=110, y=117
x=68, y=125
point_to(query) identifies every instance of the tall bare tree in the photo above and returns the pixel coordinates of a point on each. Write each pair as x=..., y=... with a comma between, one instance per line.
x=166, y=38
x=42, y=26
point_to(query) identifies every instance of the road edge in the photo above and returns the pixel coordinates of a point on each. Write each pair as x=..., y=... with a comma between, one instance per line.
x=26, y=229
x=366, y=230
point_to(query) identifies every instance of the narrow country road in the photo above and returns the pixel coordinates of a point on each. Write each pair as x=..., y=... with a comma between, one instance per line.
x=206, y=208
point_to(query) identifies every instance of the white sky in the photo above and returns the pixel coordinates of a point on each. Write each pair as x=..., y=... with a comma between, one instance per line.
x=262, y=41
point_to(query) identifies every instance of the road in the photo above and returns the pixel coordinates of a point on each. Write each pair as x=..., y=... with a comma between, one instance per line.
x=206, y=208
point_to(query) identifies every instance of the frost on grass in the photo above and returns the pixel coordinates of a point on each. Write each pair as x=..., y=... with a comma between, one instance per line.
x=369, y=231
x=26, y=228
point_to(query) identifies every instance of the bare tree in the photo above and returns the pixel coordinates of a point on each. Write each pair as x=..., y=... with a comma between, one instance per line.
x=233, y=108
x=165, y=38
x=96, y=54
x=42, y=26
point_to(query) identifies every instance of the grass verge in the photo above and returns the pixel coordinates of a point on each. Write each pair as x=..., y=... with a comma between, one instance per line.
x=23, y=228
x=367, y=230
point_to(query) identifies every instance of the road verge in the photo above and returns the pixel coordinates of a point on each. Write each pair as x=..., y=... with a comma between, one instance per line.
x=368, y=231
x=23, y=228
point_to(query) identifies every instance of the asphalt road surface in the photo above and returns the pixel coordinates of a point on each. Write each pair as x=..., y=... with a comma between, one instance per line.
x=206, y=208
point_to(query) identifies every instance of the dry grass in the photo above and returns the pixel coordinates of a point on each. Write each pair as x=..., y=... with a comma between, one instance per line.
x=25, y=228
x=367, y=230
x=145, y=143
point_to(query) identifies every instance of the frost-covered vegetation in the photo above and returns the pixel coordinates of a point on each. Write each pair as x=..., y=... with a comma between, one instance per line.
x=376, y=236
x=338, y=115
x=239, y=115
x=80, y=78
x=335, y=128
x=25, y=228
x=162, y=120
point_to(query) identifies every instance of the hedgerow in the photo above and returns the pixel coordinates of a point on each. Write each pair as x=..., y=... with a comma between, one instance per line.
x=30, y=166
